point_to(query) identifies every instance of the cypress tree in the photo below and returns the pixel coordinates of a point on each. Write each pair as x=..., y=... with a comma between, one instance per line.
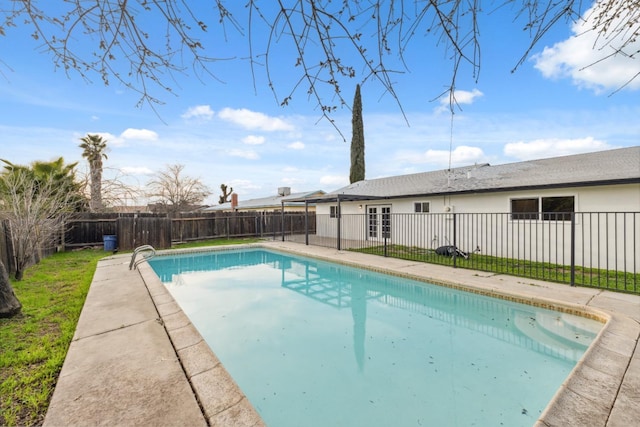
x=357, y=140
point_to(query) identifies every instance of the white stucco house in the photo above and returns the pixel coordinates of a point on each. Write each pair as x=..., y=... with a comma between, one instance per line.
x=529, y=199
x=606, y=181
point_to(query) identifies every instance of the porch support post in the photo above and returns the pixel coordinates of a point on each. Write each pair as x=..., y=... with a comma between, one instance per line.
x=306, y=222
x=282, y=220
x=339, y=217
x=455, y=240
x=573, y=248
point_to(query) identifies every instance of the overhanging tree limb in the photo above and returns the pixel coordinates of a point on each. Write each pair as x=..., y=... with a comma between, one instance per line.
x=333, y=41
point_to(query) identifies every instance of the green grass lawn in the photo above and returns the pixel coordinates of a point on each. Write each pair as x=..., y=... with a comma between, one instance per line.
x=589, y=277
x=33, y=345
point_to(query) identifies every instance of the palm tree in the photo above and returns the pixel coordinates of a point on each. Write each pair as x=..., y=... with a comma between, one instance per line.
x=94, y=147
x=62, y=177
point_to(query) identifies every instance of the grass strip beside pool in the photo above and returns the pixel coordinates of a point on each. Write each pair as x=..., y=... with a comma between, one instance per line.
x=33, y=345
x=588, y=277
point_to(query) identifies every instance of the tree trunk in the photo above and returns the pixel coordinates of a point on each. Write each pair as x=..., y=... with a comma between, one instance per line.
x=9, y=304
x=95, y=170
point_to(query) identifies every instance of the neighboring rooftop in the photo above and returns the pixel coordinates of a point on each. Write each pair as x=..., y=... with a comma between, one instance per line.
x=604, y=167
x=284, y=196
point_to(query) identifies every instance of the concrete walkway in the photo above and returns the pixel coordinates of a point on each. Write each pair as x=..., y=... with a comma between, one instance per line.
x=121, y=368
x=135, y=358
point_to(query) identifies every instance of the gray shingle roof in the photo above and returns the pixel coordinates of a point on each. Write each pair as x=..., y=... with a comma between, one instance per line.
x=603, y=167
x=268, y=202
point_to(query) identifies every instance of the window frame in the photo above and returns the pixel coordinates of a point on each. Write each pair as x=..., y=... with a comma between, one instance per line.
x=421, y=205
x=542, y=206
x=525, y=214
x=556, y=214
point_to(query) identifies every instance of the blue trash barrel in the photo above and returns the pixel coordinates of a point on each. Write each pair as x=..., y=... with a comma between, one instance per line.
x=110, y=242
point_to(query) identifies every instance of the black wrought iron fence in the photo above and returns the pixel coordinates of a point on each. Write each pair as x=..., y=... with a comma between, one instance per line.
x=596, y=249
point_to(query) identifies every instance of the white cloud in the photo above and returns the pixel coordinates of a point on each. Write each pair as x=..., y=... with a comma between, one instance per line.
x=466, y=97
x=128, y=135
x=139, y=135
x=544, y=148
x=461, y=97
x=245, y=154
x=244, y=188
x=290, y=182
x=296, y=145
x=253, y=140
x=203, y=112
x=254, y=120
x=460, y=156
x=136, y=170
x=334, y=181
x=584, y=57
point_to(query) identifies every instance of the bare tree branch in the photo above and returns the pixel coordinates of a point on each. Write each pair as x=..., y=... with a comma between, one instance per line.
x=331, y=42
x=36, y=211
x=176, y=192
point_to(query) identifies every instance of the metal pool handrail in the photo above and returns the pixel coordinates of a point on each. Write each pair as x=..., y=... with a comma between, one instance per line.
x=133, y=264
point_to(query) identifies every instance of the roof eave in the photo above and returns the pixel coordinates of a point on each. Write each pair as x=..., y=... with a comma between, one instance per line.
x=355, y=197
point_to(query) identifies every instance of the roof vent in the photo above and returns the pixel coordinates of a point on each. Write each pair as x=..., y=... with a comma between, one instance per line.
x=284, y=191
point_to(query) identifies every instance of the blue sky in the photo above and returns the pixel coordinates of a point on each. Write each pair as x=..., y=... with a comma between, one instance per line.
x=232, y=131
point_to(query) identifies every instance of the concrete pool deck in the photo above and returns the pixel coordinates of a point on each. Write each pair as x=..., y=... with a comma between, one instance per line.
x=135, y=358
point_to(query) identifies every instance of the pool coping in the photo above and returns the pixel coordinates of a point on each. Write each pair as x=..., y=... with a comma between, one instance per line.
x=589, y=394
x=603, y=389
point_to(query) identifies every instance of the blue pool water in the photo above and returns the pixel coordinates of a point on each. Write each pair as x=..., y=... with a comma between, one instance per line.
x=313, y=343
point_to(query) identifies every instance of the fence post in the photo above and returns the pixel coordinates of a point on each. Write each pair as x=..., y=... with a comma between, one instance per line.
x=573, y=248
x=455, y=240
x=385, y=245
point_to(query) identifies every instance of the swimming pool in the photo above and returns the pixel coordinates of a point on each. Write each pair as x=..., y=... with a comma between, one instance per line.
x=316, y=343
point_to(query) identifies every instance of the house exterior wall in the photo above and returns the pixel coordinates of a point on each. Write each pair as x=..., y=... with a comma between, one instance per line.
x=613, y=198
x=483, y=221
x=610, y=198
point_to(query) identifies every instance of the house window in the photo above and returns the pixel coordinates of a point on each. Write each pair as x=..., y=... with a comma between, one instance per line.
x=334, y=212
x=557, y=208
x=421, y=207
x=553, y=208
x=524, y=208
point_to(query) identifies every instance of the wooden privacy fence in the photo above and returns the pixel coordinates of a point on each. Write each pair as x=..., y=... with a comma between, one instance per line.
x=160, y=231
